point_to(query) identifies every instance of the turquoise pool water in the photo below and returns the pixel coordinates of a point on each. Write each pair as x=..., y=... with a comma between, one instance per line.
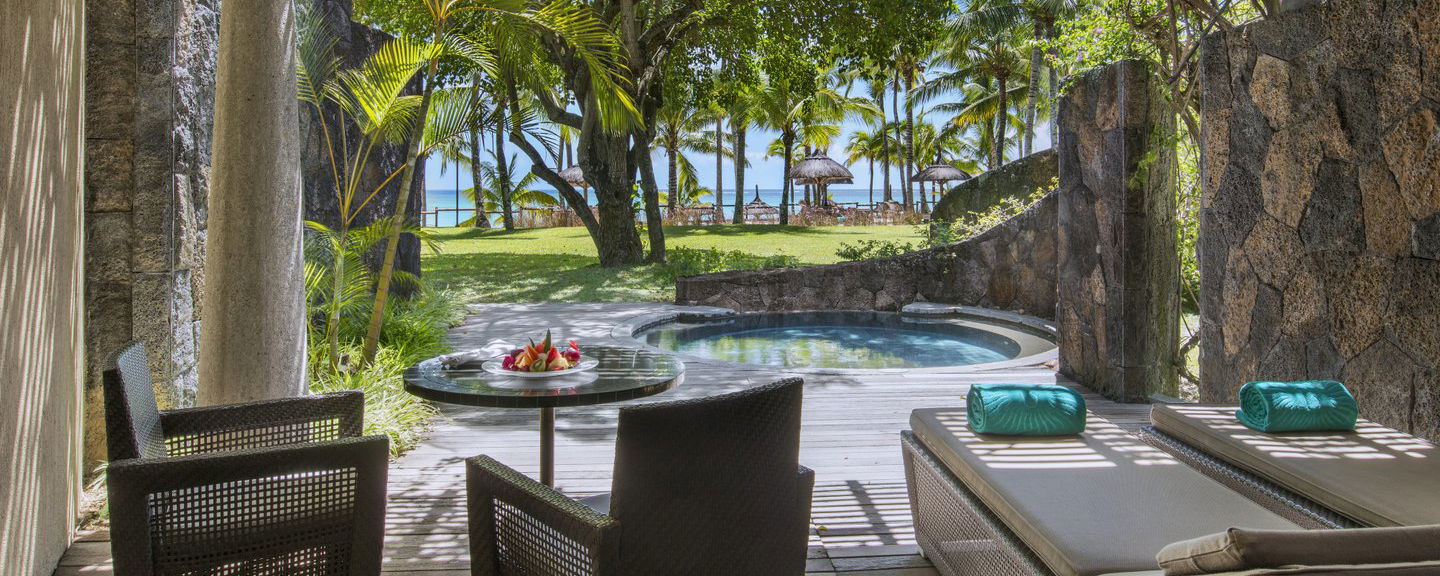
x=844, y=340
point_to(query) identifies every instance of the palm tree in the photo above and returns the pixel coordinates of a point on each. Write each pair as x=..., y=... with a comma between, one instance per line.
x=717, y=114
x=868, y=147
x=372, y=98
x=520, y=193
x=1040, y=16
x=810, y=119
x=680, y=127
x=979, y=109
x=569, y=24
x=984, y=59
x=740, y=120
x=876, y=85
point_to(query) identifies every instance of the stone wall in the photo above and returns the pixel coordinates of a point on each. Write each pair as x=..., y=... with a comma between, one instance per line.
x=355, y=42
x=1018, y=179
x=1118, y=269
x=41, y=275
x=1320, y=222
x=1009, y=267
x=150, y=90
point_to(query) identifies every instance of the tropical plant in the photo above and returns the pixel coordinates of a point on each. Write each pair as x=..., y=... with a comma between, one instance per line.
x=519, y=190
x=679, y=128
x=986, y=66
x=809, y=119
x=449, y=113
x=372, y=98
x=1040, y=16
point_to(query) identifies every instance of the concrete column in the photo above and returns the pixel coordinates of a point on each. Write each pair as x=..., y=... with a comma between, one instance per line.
x=1118, y=271
x=252, y=339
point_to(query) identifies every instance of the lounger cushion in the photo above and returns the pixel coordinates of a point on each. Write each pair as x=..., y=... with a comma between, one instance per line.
x=1374, y=475
x=1099, y=503
x=1240, y=549
x=1404, y=569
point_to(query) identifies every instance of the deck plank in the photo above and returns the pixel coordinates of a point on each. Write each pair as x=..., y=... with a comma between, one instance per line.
x=850, y=436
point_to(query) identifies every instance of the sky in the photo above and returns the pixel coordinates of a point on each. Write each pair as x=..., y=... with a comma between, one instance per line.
x=766, y=173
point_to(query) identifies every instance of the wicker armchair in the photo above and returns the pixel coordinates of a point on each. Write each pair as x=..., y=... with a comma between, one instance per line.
x=701, y=487
x=273, y=487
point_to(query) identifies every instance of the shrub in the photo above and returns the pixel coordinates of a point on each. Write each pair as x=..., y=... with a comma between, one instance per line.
x=868, y=249
x=972, y=224
x=414, y=330
x=692, y=261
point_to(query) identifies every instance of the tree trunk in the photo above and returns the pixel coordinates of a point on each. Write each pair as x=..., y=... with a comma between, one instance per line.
x=1027, y=145
x=787, y=185
x=739, y=155
x=482, y=220
x=672, y=198
x=654, y=221
x=605, y=158
x=905, y=194
x=1001, y=120
x=884, y=146
x=719, y=167
x=910, y=167
x=1053, y=89
x=252, y=343
x=872, y=182
x=502, y=168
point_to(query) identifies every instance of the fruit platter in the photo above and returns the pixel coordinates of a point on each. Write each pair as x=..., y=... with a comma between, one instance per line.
x=543, y=360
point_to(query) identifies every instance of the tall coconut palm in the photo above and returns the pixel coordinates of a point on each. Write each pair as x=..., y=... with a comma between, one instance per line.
x=868, y=147
x=989, y=59
x=740, y=120
x=680, y=127
x=1040, y=16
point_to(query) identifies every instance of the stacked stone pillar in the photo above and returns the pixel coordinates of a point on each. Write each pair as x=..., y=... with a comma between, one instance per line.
x=1118, y=271
x=149, y=93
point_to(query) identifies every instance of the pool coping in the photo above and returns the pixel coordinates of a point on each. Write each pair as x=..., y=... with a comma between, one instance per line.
x=626, y=330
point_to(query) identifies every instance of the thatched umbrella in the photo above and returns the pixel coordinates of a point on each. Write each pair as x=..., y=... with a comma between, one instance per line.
x=820, y=170
x=940, y=173
x=576, y=177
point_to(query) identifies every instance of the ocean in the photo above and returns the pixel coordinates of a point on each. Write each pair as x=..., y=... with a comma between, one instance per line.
x=446, y=200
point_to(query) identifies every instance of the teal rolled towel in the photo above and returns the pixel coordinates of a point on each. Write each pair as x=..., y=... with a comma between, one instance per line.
x=1309, y=406
x=1025, y=410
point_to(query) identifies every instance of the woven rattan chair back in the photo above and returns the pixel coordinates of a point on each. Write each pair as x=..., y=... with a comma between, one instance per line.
x=701, y=486
x=132, y=419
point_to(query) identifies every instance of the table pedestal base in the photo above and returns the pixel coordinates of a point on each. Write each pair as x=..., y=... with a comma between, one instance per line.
x=547, y=446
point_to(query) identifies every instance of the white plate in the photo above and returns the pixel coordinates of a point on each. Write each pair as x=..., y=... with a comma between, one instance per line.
x=493, y=366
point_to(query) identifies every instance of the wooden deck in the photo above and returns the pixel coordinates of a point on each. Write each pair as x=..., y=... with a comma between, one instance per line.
x=850, y=437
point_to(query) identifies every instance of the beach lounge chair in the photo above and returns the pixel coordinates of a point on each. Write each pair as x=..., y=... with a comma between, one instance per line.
x=1103, y=503
x=1100, y=503
x=1373, y=476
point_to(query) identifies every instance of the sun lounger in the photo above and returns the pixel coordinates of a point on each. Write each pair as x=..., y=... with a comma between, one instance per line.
x=1099, y=504
x=1373, y=476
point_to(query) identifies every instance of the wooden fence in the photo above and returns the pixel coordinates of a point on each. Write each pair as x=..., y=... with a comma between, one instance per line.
x=832, y=214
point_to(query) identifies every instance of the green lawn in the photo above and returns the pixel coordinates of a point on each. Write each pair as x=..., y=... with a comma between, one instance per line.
x=559, y=264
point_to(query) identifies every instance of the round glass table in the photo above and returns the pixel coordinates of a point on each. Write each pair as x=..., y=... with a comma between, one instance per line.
x=622, y=374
